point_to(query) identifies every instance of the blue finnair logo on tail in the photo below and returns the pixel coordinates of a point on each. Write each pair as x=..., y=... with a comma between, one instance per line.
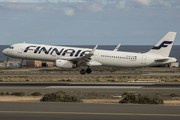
x=162, y=45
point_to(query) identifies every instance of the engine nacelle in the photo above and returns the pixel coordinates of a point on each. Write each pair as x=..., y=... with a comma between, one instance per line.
x=65, y=64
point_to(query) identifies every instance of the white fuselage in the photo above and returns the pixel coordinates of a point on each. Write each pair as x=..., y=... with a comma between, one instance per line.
x=103, y=57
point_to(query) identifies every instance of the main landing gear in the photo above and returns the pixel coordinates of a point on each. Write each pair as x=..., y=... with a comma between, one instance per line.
x=88, y=71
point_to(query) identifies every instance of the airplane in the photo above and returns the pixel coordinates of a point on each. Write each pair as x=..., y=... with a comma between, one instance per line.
x=73, y=57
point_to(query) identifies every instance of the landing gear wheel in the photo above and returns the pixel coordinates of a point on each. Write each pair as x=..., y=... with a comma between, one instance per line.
x=83, y=72
x=20, y=66
x=88, y=71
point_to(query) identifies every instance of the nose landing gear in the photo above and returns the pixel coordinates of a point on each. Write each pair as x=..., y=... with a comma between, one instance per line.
x=20, y=66
x=83, y=72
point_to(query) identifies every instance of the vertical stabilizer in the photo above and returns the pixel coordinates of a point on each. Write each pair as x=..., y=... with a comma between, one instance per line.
x=163, y=47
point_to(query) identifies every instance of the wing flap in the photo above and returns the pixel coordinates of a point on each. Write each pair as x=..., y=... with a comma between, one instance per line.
x=94, y=63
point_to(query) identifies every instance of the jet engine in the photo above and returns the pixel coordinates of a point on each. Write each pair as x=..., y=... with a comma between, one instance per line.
x=65, y=64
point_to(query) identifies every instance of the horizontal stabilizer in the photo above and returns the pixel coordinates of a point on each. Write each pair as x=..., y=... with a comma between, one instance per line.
x=165, y=59
x=162, y=60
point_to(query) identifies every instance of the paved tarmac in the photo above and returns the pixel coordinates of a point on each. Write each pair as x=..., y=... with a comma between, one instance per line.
x=92, y=74
x=69, y=84
x=117, y=88
x=69, y=74
x=86, y=111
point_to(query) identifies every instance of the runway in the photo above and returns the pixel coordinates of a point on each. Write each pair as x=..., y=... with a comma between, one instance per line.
x=99, y=84
x=89, y=75
x=88, y=111
x=100, y=87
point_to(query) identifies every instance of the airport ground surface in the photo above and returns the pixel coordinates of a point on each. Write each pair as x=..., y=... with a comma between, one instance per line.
x=115, y=88
x=41, y=110
x=88, y=111
x=89, y=75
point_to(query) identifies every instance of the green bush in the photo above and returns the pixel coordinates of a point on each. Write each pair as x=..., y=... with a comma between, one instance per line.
x=18, y=93
x=126, y=93
x=112, y=80
x=62, y=80
x=129, y=97
x=60, y=96
x=5, y=93
x=69, y=80
x=27, y=80
x=8, y=93
x=2, y=93
x=173, y=95
x=61, y=92
x=36, y=94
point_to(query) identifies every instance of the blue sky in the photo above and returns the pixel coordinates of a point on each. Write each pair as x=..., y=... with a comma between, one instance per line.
x=88, y=22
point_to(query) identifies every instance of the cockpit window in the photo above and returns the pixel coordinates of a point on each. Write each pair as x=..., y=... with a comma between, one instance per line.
x=11, y=47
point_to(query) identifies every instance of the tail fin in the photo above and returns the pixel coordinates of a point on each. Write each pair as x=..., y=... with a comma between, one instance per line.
x=163, y=47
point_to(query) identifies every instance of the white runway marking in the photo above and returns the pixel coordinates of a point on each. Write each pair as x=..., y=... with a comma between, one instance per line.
x=162, y=88
x=162, y=74
x=97, y=87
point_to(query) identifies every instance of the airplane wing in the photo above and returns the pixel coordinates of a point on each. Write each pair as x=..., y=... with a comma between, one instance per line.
x=116, y=49
x=82, y=61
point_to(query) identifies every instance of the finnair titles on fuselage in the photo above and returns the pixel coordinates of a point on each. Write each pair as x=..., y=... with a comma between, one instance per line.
x=72, y=57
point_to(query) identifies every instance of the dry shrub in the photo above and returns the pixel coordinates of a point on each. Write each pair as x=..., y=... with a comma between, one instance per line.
x=129, y=97
x=60, y=96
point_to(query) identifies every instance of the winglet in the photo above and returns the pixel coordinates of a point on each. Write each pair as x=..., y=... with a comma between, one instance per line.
x=93, y=50
x=116, y=49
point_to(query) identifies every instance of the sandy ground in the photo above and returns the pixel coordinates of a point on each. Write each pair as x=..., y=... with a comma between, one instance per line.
x=24, y=99
x=37, y=99
x=26, y=69
x=172, y=102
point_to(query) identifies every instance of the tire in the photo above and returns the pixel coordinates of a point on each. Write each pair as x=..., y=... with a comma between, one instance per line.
x=83, y=72
x=88, y=71
x=20, y=66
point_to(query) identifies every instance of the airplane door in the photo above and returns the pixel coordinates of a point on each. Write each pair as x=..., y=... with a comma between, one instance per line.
x=20, y=49
x=143, y=61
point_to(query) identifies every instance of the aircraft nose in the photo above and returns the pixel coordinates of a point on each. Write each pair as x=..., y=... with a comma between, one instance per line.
x=4, y=52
